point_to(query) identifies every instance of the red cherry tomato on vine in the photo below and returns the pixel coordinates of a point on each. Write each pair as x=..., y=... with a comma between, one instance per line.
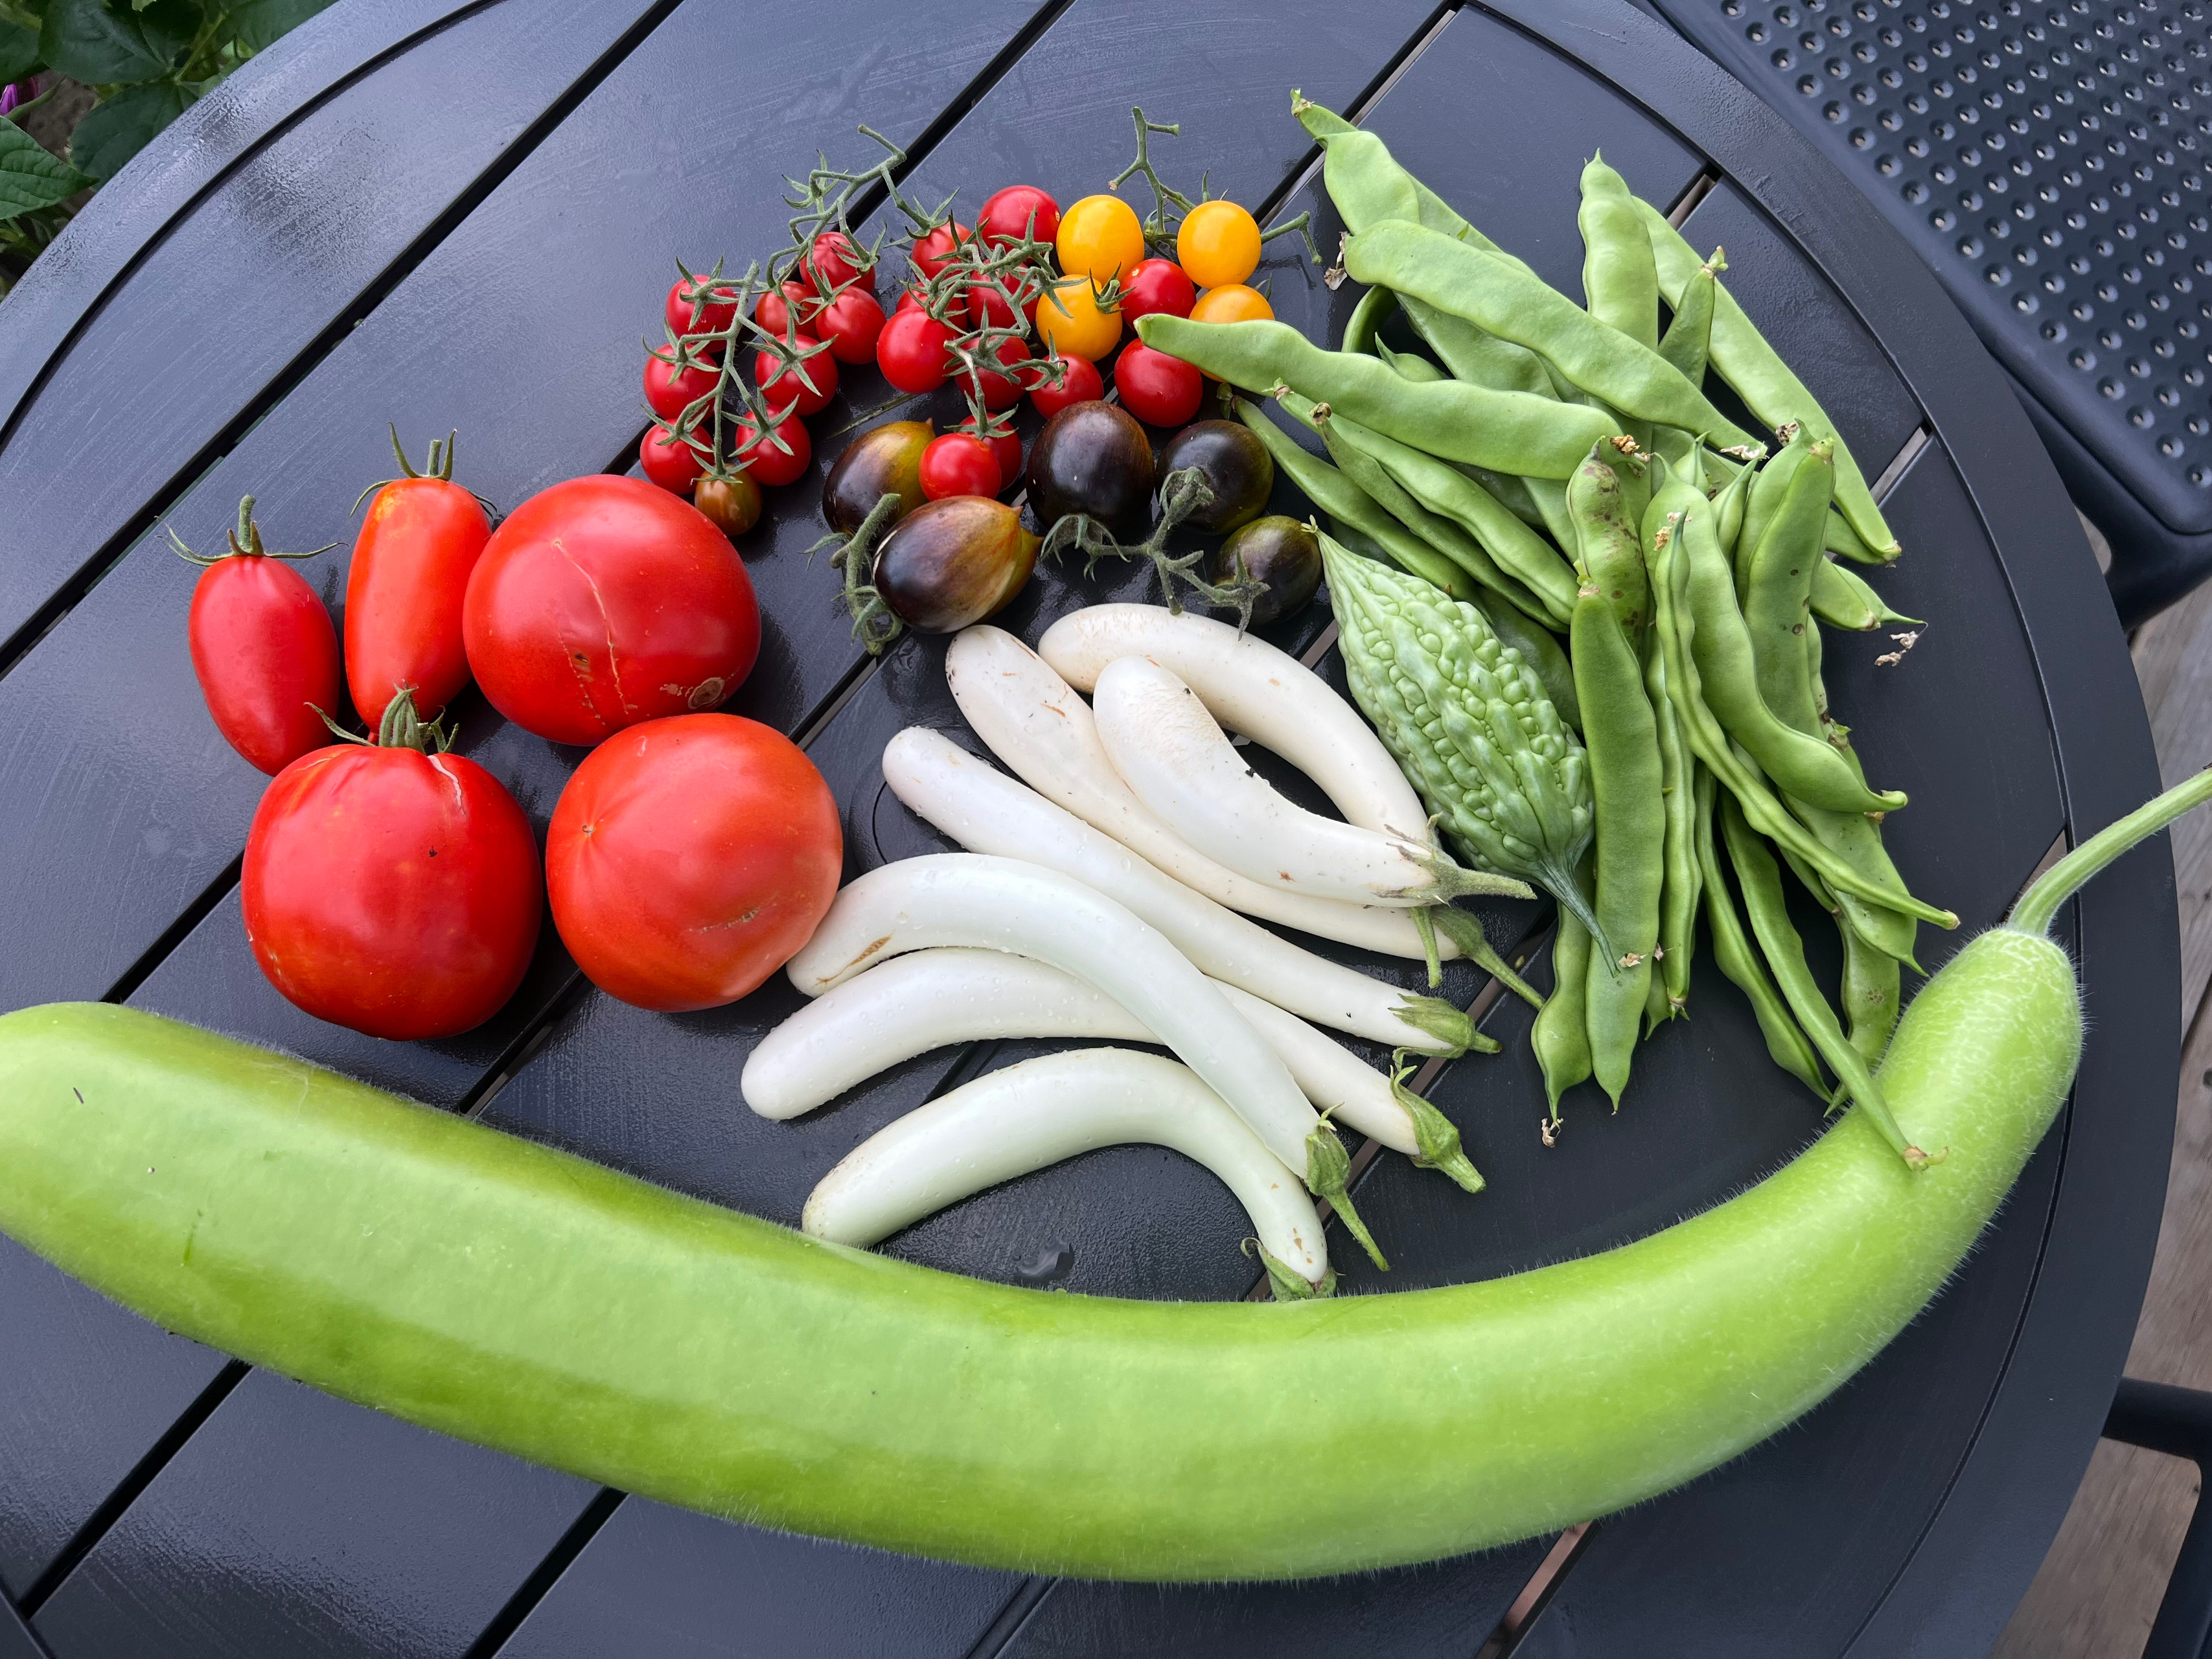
x=714, y=301
x=1005, y=449
x=1158, y=389
x=988, y=308
x=932, y=253
x=773, y=311
x=1079, y=383
x=421, y=538
x=998, y=390
x=1157, y=287
x=602, y=602
x=689, y=859
x=263, y=650
x=959, y=464
x=852, y=324
x=909, y=299
x=834, y=259
x=910, y=350
x=1016, y=211
x=389, y=890
x=767, y=463
x=806, y=388
x=668, y=460
x=669, y=390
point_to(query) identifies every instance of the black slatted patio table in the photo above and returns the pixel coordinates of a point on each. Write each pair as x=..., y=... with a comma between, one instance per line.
x=463, y=216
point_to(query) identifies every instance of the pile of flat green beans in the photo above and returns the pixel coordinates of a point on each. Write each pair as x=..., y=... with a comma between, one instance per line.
x=1558, y=480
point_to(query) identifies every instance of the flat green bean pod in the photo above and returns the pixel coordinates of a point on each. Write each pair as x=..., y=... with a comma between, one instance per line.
x=1802, y=766
x=1620, y=282
x=1873, y=989
x=1367, y=317
x=1777, y=596
x=1760, y=377
x=1508, y=431
x=1769, y=910
x=1411, y=365
x=1444, y=489
x=1367, y=184
x=1477, y=357
x=1560, y=1036
x=1843, y=599
x=1345, y=503
x=1518, y=306
x=1763, y=498
x=1608, y=546
x=1684, y=884
x=1734, y=955
x=1621, y=735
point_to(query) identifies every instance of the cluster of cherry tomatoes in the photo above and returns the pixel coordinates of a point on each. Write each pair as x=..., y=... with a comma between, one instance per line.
x=1028, y=301
x=396, y=888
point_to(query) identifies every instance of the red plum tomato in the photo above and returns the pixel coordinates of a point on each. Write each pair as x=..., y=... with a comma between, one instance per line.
x=1157, y=287
x=782, y=458
x=806, y=388
x=959, y=464
x=910, y=351
x=1158, y=389
x=391, y=890
x=670, y=390
x=419, y=540
x=1017, y=212
x=602, y=602
x=851, y=323
x=1079, y=383
x=264, y=651
x=668, y=460
x=689, y=859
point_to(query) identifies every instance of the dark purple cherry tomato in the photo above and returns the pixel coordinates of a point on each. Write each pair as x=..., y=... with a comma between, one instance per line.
x=952, y=563
x=885, y=461
x=1093, y=458
x=1236, y=464
x=1280, y=551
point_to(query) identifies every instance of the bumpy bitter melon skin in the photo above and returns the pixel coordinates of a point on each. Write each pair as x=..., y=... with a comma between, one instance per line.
x=1466, y=717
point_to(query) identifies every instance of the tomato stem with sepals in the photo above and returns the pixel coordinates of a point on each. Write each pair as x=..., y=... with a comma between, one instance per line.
x=875, y=625
x=245, y=542
x=1182, y=494
x=1159, y=229
x=400, y=728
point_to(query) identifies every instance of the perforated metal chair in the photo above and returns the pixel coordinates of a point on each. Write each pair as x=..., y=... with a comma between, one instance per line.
x=2048, y=159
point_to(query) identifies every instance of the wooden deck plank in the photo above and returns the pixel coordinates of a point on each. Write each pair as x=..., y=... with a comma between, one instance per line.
x=2099, y=1587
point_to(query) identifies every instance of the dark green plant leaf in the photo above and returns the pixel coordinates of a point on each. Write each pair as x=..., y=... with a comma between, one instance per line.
x=30, y=178
x=103, y=45
x=113, y=132
x=19, y=52
x=260, y=23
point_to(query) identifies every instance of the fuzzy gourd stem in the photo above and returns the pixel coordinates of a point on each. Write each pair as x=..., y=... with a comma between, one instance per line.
x=2036, y=906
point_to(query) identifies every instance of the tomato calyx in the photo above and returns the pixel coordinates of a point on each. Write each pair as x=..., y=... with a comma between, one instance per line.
x=439, y=467
x=400, y=728
x=245, y=542
x=875, y=625
x=1182, y=494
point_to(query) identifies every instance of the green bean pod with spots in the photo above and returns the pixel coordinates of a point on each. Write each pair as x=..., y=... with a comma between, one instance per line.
x=1765, y=383
x=1764, y=901
x=1514, y=304
x=1510, y=431
x=1608, y=544
x=1621, y=735
x=1733, y=953
x=1620, y=284
x=1468, y=722
x=1873, y=991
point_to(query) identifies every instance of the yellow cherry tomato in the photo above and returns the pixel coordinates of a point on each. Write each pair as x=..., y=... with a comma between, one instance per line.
x=1232, y=302
x=1072, y=322
x=1100, y=237
x=1219, y=244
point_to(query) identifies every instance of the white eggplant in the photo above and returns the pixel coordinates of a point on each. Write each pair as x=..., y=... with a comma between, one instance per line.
x=1043, y=1111
x=1044, y=733
x=933, y=999
x=987, y=812
x=1025, y=909
x=1177, y=760
x=1250, y=687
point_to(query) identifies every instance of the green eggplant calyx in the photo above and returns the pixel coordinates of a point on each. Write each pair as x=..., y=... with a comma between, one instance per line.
x=1454, y=1031
x=1437, y=1137
x=1286, y=1282
x=1328, y=1173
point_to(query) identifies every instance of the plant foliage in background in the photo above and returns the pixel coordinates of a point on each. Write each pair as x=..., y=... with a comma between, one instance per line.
x=146, y=60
